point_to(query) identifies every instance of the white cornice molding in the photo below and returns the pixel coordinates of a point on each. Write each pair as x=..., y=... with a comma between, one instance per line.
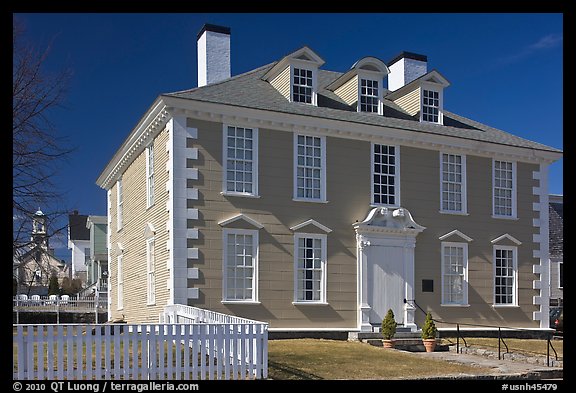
x=243, y=217
x=506, y=236
x=208, y=111
x=455, y=232
x=310, y=222
x=149, y=126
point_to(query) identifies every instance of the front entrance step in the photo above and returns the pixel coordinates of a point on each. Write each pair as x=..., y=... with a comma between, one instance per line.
x=405, y=333
x=407, y=344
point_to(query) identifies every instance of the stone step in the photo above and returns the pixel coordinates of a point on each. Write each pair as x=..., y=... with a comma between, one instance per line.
x=410, y=345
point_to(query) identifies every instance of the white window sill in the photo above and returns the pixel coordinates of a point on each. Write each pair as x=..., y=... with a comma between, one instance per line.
x=454, y=305
x=453, y=213
x=383, y=205
x=505, y=306
x=120, y=309
x=309, y=200
x=239, y=194
x=514, y=218
x=151, y=304
x=240, y=302
x=300, y=303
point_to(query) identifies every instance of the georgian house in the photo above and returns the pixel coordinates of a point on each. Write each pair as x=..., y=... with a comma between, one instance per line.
x=317, y=200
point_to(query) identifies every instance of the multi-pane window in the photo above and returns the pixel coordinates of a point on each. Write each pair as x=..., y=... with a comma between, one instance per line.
x=369, y=101
x=151, y=274
x=309, y=165
x=454, y=270
x=430, y=106
x=240, y=152
x=453, y=177
x=87, y=252
x=150, y=175
x=310, y=269
x=504, y=192
x=119, y=205
x=385, y=175
x=504, y=275
x=120, y=282
x=302, y=86
x=240, y=264
x=561, y=275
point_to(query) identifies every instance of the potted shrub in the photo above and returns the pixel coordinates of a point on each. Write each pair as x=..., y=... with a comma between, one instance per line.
x=429, y=333
x=388, y=329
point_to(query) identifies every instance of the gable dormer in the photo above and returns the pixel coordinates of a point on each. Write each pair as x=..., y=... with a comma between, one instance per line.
x=362, y=86
x=296, y=76
x=418, y=92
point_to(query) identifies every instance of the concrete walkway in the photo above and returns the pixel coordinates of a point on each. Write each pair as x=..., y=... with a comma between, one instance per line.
x=501, y=369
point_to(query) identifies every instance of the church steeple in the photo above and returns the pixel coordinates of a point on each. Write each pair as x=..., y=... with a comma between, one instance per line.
x=39, y=228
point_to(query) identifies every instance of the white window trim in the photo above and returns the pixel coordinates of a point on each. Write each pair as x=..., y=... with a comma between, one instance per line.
x=120, y=282
x=560, y=263
x=119, y=204
x=396, y=176
x=304, y=66
x=514, y=281
x=464, y=210
x=322, y=171
x=324, y=264
x=254, y=193
x=150, y=272
x=150, y=176
x=373, y=76
x=514, y=191
x=465, y=268
x=440, y=91
x=255, y=275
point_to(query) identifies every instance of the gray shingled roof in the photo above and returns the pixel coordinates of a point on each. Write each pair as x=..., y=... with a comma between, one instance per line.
x=250, y=91
x=556, y=227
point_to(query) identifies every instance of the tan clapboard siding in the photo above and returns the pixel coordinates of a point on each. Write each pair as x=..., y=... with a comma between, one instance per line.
x=277, y=212
x=349, y=91
x=136, y=216
x=410, y=102
x=282, y=82
x=420, y=194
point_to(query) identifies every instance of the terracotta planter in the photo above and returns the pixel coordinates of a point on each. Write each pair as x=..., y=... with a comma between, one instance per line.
x=388, y=343
x=429, y=344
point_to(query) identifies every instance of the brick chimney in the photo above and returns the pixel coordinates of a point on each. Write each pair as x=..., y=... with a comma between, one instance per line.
x=213, y=54
x=404, y=68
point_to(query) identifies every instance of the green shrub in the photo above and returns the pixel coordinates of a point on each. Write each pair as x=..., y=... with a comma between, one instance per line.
x=389, y=325
x=429, y=329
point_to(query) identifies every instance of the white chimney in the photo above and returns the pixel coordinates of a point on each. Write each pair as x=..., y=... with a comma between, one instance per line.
x=404, y=68
x=213, y=54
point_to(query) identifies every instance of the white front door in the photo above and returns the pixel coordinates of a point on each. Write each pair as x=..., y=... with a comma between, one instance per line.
x=387, y=283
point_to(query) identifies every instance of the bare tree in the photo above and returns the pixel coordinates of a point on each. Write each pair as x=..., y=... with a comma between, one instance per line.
x=37, y=149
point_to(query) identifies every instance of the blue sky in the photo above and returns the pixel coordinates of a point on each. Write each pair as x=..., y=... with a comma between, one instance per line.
x=505, y=70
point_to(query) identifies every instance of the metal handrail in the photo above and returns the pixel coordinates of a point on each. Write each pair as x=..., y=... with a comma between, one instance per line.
x=500, y=338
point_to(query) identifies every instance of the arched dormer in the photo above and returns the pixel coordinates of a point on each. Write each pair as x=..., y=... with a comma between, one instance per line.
x=295, y=76
x=362, y=85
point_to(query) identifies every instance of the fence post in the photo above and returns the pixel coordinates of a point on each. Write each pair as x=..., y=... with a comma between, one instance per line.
x=498, y=343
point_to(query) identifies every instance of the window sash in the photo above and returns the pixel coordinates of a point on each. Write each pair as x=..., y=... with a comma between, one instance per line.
x=310, y=268
x=150, y=175
x=302, y=85
x=504, y=188
x=151, y=274
x=453, y=175
x=240, y=265
x=240, y=149
x=385, y=175
x=504, y=276
x=369, y=96
x=454, y=273
x=120, y=282
x=120, y=205
x=430, y=106
x=309, y=165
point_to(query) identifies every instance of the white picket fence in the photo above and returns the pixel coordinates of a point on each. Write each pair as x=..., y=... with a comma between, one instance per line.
x=54, y=303
x=162, y=351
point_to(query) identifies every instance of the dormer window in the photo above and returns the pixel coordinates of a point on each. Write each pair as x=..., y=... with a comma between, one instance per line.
x=302, y=86
x=431, y=106
x=361, y=86
x=369, y=96
x=295, y=76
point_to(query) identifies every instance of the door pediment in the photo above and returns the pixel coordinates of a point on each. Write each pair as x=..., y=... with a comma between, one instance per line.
x=389, y=220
